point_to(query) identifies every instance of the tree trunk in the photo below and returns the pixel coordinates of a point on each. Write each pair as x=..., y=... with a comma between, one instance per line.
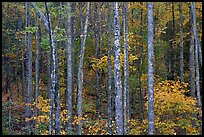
x=48, y=73
x=36, y=68
x=181, y=43
x=53, y=70
x=69, y=71
x=16, y=67
x=65, y=55
x=191, y=63
x=109, y=74
x=193, y=8
x=200, y=51
x=22, y=62
x=28, y=69
x=80, y=69
x=173, y=50
x=126, y=70
x=22, y=56
x=73, y=10
x=117, y=77
x=191, y=57
x=57, y=97
x=141, y=62
x=150, y=70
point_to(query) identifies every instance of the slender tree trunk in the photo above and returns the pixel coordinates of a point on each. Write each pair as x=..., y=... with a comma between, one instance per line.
x=181, y=43
x=69, y=71
x=141, y=62
x=126, y=70
x=191, y=57
x=200, y=51
x=53, y=71
x=80, y=69
x=97, y=38
x=65, y=55
x=169, y=58
x=109, y=74
x=173, y=50
x=100, y=52
x=36, y=68
x=28, y=69
x=22, y=56
x=117, y=77
x=48, y=74
x=81, y=39
x=57, y=97
x=193, y=8
x=191, y=63
x=150, y=70
x=73, y=10
x=16, y=68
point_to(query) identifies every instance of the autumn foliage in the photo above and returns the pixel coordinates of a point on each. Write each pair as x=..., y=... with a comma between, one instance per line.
x=172, y=100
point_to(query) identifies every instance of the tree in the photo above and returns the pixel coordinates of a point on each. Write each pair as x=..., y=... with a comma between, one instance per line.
x=141, y=65
x=172, y=44
x=181, y=42
x=109, y=74
x=150, y=70
x=28, y=68
x=98, y=55
x=69, y=70
x=126, y=70
x=73, y=11
x=80, y=68
x=192, y=62
x=193, y=8
x=22, y=56
x=36, y=67
x=53, y=90
x=117, y=77
x=191, y=57
x=16, y=65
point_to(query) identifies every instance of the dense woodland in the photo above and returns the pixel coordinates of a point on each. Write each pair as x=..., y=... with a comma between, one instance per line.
x=102, y=68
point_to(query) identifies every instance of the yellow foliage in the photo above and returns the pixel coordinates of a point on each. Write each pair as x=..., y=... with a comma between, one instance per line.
x=96, y=128
x=103, y=62
x=170, y=103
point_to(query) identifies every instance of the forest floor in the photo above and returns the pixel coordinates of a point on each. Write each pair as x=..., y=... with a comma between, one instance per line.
x=18, y=110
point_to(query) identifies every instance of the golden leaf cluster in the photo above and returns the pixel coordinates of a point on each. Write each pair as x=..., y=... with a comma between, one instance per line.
x=170, y=103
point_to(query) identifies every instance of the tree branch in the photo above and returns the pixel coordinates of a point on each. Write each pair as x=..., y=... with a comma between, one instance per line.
x=44, y=19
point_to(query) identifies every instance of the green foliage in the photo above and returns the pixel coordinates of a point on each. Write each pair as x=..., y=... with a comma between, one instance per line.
x=60, y=35
x=45, y=44
x=31, y=29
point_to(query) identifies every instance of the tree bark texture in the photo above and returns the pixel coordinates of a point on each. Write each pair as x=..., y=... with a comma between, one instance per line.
x=126, y=70
x=150, y=70
x=117, y=76
x=109, y=74
x=28, y=68
x=80, y=69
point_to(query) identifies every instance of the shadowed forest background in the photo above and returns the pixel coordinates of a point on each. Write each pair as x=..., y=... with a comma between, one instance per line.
x=102, y=68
